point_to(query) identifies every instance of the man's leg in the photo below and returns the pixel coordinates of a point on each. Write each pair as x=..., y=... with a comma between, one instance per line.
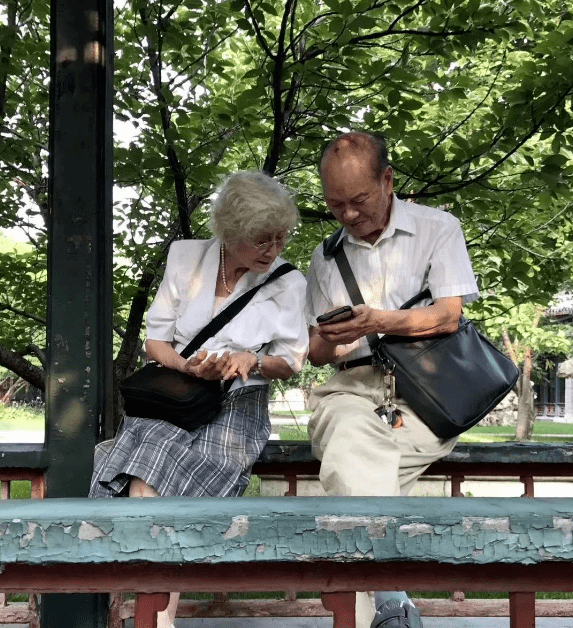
x=358, y=452
x=363, y=456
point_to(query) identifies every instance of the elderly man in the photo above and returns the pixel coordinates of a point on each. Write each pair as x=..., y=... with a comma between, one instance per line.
x=395, y=250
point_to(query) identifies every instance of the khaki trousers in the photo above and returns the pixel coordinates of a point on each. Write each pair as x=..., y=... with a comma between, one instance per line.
x=360, y=454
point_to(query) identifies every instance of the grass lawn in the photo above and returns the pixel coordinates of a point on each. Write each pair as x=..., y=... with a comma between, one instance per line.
x=14, y=418
x=543, y=432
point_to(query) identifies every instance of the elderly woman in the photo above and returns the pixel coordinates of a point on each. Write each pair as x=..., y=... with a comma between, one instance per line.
x=251, y=217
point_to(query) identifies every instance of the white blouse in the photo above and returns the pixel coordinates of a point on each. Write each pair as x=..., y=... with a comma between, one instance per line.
x=273, y=323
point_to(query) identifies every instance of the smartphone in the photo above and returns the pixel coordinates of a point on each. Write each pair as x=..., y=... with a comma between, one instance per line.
x=334, y=316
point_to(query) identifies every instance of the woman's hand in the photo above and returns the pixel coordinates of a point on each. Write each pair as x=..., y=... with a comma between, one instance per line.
x=227, y=366
x=210, y=367
x=240, y=365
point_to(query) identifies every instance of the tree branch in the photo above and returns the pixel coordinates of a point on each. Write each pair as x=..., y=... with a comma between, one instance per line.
x=448, y=189
x=23, y=368
x=259, y=35
x=8, y=308
x=174, y=163
x=279, y=113
x=6, y=54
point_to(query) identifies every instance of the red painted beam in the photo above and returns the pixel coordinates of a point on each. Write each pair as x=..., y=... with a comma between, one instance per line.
x=521, y=610
x=319, y=576
x=343, y=605
x=147, y=605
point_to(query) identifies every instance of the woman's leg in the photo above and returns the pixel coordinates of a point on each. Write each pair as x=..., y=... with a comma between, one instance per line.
x=139, y=488
x=166, y=618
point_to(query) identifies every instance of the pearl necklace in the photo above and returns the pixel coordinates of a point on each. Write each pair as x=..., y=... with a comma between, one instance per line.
x=223, y=275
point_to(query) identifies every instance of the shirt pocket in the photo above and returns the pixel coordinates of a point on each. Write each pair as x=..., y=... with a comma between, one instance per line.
x=400, y=288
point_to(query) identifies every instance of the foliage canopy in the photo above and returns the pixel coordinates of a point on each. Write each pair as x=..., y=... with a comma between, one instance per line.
x=474, y=97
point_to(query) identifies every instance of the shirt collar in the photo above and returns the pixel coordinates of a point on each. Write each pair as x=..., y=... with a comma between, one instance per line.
x=400, y=220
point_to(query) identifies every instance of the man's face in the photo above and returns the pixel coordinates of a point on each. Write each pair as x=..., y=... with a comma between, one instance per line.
x=358, y=201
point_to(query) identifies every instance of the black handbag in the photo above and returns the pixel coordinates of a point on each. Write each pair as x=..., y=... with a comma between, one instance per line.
x=451, y=381
x=158, y=392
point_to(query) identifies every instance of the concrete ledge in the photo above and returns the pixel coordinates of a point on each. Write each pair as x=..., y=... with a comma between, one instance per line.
x=272, y=530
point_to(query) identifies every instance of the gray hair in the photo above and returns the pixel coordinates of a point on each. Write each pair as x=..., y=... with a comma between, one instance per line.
x=251, y=203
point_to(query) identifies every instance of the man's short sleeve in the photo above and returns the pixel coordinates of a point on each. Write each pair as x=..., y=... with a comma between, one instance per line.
x=450, y=273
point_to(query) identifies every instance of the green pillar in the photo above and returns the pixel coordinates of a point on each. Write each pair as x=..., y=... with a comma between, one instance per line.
x=79, y=371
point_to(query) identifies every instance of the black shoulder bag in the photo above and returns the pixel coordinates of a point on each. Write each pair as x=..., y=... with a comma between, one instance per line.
x=451, y=381
x=158, y=392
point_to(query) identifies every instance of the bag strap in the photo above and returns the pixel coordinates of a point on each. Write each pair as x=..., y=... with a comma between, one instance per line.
x=332, y=244
x=231, y=311
x=351, y=286
x=425, y=294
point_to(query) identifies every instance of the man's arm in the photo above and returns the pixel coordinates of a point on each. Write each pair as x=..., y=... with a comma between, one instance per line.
x=439, y=318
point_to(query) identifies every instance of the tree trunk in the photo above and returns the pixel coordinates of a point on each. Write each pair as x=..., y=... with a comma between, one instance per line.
x=525, y=408
x=12, y=389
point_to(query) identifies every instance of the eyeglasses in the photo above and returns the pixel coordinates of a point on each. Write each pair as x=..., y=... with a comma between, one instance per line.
x=267, y=245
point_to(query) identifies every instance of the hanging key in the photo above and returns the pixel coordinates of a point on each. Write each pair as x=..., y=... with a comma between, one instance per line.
x=395, y=417
x=382, y=412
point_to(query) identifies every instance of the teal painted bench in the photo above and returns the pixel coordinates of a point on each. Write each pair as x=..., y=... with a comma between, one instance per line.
x=293, y=459
x=333, y=545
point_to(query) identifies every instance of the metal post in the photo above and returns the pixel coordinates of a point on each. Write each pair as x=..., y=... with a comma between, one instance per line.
x=79, y=369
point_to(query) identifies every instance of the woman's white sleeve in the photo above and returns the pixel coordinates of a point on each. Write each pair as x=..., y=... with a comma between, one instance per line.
x=290, y=331
x=162, y=315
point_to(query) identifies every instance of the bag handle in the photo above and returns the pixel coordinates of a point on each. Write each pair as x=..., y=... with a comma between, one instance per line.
x=231, y=311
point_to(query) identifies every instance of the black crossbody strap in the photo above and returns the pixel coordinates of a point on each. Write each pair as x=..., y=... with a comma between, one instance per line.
x=425, y=294
x=352, y=287
x=231, y=311
x=332, y=244
x=356, y=296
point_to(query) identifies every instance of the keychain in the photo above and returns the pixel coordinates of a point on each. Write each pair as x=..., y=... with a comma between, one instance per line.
x=388, y=411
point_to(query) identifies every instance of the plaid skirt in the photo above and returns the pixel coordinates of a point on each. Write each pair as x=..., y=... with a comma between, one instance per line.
x=213, y=460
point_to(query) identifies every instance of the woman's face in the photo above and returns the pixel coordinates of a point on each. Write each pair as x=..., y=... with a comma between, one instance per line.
x=256, y=254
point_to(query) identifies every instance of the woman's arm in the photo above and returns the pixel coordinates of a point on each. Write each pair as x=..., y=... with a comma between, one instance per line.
x=274, y=367
x=226, y=366
x=161, y=351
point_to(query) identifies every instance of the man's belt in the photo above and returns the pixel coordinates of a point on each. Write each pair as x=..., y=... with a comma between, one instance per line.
x=368, y=360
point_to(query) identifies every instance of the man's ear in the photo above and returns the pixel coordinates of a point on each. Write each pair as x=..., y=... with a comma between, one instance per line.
x=388, y=179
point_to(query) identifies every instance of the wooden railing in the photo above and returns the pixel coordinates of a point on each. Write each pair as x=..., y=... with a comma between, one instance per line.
x=292, y=461
x=334, y=545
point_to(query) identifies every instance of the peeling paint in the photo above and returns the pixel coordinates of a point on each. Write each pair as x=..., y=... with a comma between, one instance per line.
x=416, y=529
x=376, y=526
x=209, y=530
x=566, y=527
x=27, y=538
x=89, y=532
x=500, y=524
x=239, y=527
x=169, y=531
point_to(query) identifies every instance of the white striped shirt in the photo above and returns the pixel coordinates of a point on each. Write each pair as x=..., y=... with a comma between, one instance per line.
x=422, y=247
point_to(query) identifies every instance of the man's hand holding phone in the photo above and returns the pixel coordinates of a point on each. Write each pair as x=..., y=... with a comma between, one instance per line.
x=335, y=316
x=347, y=324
